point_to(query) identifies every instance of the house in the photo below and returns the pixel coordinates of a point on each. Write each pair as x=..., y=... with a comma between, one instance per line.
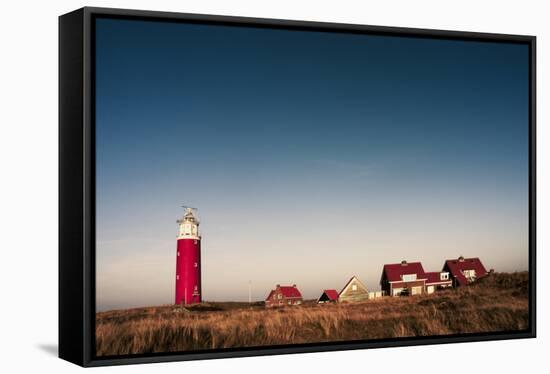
x=353, y=291
x=465, y=270
x=409, y=278
x=328, y=296
x=437, y=280
x=284, y=295
x=405, y=278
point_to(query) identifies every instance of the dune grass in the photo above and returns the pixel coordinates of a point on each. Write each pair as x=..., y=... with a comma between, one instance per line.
x=498, y=302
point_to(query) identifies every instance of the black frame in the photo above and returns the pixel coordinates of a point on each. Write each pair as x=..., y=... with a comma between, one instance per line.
x=77, y=186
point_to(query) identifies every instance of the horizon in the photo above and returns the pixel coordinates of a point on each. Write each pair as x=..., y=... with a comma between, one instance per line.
x=311, y=157
x=321, y=291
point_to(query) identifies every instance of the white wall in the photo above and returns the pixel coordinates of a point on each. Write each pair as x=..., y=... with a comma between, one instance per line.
x=28, y=188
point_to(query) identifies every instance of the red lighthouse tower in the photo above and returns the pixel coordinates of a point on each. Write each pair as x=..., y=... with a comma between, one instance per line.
x=188, y=260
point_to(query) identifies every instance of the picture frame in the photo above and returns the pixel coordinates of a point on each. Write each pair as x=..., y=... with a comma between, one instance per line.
x=77, y=184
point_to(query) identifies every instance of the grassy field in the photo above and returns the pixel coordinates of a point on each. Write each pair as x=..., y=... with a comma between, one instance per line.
x=498, y=302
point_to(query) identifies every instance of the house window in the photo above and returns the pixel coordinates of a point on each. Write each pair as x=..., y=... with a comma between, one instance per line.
x=177, y=277
x=470, y=274
x=354, y=287
x=279, y=296
x=178, y=253
x=445, y=276
x=298, y=302
x=196, y=265
x=408, y=277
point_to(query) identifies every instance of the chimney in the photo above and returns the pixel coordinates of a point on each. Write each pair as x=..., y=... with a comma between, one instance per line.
x=461, y=259
x=404, y=263
x=294, y=285
x=278, y=286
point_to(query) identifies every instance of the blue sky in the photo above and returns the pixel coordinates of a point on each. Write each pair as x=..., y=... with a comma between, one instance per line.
x=311, y=156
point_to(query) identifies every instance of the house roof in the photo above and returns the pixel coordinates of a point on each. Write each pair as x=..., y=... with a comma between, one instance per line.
x=435, y=277
x=331, y=294
x=394, y=272
x=456, y=267
x=290, y=291
x=354, y=278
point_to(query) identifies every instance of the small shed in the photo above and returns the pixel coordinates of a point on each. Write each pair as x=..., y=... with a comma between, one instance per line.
x=375, y=294
x=328, y=296
x=354, y=291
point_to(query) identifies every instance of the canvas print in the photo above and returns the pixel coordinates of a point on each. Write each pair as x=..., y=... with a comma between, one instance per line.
x=263, y=187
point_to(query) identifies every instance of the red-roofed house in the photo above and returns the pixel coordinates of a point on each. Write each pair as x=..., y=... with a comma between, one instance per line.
x=405, y=278
x=436, y=280
x=284, y=295
x=465, y=270
x=328, y=296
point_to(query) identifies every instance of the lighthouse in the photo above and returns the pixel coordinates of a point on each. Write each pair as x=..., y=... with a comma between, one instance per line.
x=188, y=259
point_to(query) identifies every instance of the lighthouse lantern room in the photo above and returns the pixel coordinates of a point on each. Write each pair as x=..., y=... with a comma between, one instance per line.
x=188, y=260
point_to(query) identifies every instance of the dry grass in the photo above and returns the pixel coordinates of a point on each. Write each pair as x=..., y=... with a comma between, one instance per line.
x=496, y=303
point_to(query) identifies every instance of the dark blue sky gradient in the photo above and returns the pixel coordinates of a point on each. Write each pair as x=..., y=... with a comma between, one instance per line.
x=244, y=121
